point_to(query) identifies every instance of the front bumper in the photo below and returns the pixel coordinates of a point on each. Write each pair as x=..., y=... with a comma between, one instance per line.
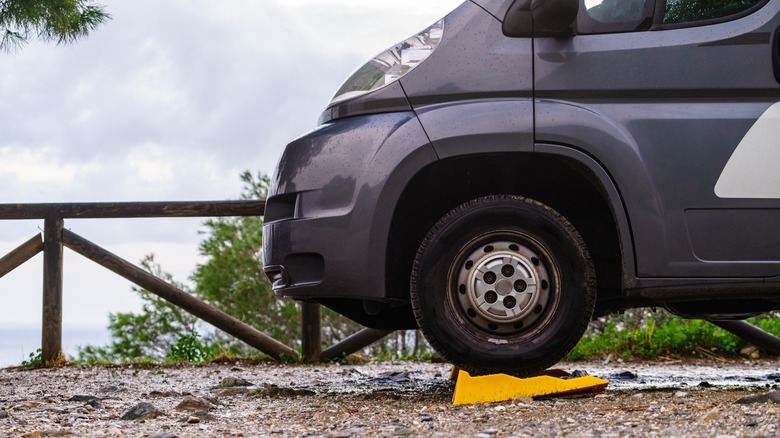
x=328, y=217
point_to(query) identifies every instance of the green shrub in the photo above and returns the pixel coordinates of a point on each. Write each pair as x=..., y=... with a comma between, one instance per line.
x=651, y=335
x=187, y=349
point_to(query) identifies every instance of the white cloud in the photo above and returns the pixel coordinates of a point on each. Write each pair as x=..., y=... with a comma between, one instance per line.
x=170, y=101
x=151, y=164
x=40, y=166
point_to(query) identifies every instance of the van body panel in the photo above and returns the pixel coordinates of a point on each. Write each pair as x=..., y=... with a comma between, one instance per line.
x=341, y=192
x=478, y=127
x=496, y=8
x=475, y=101
x=663, y=112
x=614, y=197
x=474, y=61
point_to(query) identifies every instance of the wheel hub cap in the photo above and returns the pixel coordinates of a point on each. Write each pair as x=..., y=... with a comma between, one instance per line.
x=503, y=287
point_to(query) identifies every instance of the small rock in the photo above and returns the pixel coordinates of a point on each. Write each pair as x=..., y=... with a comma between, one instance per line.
x=204, y=416
x=96, y=404
x=50, y=432
x=773, y=376
x=3, y=414
x=712, y=414
x=436, y=357
x=211, y=399
x=165, y=394
x=192, y=420
x=523, y=400
x=109, y=389
x=55, y=409
x=750, y=351
x=624, y=375
x=751, y=423
x=277, y=431
x=194, y=404
x=142, y=411
x=773, y=397
x=425, y=418
x=704, y=384
x=358, y=358
x=163, y=435
x=403, y=431
x=680, y=394
x=229, y=382
x=491, y=432
x=578, y=373
x=82, y=398
x=229, y=392
x=392, y=378
x=279, y=391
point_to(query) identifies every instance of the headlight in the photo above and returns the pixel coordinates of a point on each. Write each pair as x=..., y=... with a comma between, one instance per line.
x=391, y=64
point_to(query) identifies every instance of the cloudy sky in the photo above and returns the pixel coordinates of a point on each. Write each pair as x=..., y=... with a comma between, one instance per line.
x=170, y=100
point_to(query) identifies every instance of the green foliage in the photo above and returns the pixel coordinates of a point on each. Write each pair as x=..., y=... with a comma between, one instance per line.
x=35, y=360
x=62, y=21
x=651, y=336
x=147, y=334
x=231, y=279
x=684, y=11
x=188, y=349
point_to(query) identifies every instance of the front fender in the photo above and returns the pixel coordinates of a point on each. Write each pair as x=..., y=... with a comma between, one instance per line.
x=616, y=151
x=329, y=214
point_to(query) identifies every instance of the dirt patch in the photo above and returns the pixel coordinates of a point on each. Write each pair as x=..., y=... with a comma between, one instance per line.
x=381, y=399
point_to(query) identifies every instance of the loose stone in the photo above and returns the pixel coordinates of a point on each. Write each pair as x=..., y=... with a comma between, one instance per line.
x=142, y=411
x=773, y=397
x=194, y=404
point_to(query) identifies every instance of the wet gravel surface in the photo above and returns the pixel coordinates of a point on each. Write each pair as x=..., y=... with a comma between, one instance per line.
x=382, y=399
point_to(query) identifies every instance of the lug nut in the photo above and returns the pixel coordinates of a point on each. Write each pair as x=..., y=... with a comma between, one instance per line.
x=489, y=278
x=510, y=302
x=491, y=297
x=508, y=271
x=521, y=286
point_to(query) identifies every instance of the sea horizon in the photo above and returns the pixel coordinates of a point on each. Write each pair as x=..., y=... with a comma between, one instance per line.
x=18, y=340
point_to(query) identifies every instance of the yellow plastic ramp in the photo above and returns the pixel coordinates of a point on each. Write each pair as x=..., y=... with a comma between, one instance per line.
x=501, y=387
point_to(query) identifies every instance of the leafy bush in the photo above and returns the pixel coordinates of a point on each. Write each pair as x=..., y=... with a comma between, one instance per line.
x=35, y=360
x=188, y=349
x=649, y=335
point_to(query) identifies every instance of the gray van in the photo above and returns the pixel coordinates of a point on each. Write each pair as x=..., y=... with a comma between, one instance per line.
x=523, y=166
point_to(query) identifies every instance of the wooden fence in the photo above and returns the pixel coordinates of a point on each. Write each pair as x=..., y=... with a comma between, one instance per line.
x=56, y=237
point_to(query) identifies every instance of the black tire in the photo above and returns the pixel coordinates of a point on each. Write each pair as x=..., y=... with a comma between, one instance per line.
x=503, y=284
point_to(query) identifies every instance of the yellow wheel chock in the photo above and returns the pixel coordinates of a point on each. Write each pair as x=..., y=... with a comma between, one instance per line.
x=502, y=387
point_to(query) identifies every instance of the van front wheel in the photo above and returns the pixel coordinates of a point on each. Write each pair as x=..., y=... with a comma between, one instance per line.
x=503, y=284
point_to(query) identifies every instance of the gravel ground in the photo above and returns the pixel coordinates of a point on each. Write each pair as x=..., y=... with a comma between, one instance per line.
x=379, y=399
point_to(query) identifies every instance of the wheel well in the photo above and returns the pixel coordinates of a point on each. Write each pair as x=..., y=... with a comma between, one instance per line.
x=559, y=182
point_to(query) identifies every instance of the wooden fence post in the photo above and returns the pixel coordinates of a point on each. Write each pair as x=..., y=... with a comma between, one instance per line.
x=51, y=327
x=311, y=331
x=178, y=297
x=354, y=342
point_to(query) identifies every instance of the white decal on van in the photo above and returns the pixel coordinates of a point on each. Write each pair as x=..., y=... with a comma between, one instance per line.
x=753, y=171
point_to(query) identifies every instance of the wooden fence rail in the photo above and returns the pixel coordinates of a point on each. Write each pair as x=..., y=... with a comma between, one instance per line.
x=55, y=238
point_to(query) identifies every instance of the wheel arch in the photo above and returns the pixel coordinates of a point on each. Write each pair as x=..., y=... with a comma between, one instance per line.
x=578, y=181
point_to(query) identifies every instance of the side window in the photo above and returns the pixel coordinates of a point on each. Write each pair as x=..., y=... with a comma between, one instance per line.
x=686, y=11
x=606, y=16
x=615, y=11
